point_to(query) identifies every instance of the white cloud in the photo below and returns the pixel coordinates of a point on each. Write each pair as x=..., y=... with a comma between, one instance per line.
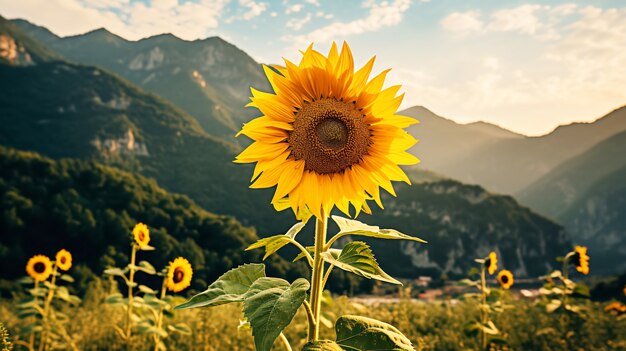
x=295, y=8
x=578, y=72
x=463, y=22
x=313, y=2
x=254, y=8
x=297, y=23
x=379, y=15
x=136, y=20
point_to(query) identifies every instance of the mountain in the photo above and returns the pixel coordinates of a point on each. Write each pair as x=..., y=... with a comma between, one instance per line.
x=501, y=161
x=443, y=141
x=17, y=48
x=462, y=222
x=210, y=79
x=61, y=110
x=588, y=195
x=90, y=209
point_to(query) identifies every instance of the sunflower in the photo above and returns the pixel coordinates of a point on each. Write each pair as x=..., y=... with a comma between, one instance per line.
x=179, y=275
x=491, y=262
x=39, y=267
x=616, y=307
x=505, y=278
x=64, y=260
x=141, y=234
x=328, y=136
x=581, y=260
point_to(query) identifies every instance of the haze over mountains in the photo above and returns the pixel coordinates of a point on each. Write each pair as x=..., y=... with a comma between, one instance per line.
x=63, y=109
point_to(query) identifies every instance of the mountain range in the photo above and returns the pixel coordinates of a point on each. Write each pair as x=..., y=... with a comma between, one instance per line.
x=210, y=79
x=82, y=108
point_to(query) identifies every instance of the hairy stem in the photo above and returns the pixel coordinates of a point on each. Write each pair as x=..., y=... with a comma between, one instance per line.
x=46, y=309
x=131, y=280
x=483, y=312
x=283, y=338
x=159, y=321
x=317, y=274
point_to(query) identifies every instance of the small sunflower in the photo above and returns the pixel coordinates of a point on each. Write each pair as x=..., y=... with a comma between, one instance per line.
x=491, y=262
x=64, y=260
x=505, y=278
x=39, y=267
x=141, y=234
x=328, y=137
x=179, y=275
x=615, y=307
x=581, y=260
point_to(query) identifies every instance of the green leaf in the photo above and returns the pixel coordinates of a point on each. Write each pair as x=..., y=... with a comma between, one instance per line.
x=351, y=226
x=115, y=271
x=322, y=345
x=357, y=257
x=310, y=249
x=553, y=305
x=276, y=242
x=146, y=290
x=582, y=290
x=66, y=277
x=115, y=299
x=180, y=328
x=146, y=267
x=230, y=287
x=270, y=305
x=355, y=333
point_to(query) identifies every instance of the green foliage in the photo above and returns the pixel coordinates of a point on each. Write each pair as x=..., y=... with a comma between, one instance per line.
x=5, y=339
x=367, y=334
x=90, y=208
x=357, y=257
x=230, y=287
x=269, y=305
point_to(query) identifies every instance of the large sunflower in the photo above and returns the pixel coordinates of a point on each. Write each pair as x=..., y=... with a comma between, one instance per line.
x=505, y=278
x=581, y=260
x=39, y=267
x=328, y=136
x=64, y=260
x=491, y=262
x=179, y=275
x=141, y=234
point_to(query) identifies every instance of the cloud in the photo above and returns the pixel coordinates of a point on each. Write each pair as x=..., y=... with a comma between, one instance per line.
x=254, y=8
x=577, y=72
x=295, y=8
x=463, y=22
x=540, y=21
x=380, y=15
x=131, y=20
x=297, y=23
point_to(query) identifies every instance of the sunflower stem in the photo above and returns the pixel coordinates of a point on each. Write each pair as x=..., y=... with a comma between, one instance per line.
x=131, y=279
x=159, y=321
x=317, y=274
x=46, y=308
x=483, y=312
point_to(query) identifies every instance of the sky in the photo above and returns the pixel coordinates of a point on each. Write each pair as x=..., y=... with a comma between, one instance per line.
x=526, y=66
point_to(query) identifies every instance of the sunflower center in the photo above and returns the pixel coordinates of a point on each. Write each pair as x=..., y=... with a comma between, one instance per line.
x=332, y=133
x=329, y=135
x=63, y=260
x=39, y=267
x=141, y=236
x=178, y=275
x=576, y=259
x=505, y=279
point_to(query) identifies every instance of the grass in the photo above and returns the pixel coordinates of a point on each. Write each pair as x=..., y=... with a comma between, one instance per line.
x=435, y=325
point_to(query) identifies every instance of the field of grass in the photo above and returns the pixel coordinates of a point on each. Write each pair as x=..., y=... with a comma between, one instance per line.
x=435, y=325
